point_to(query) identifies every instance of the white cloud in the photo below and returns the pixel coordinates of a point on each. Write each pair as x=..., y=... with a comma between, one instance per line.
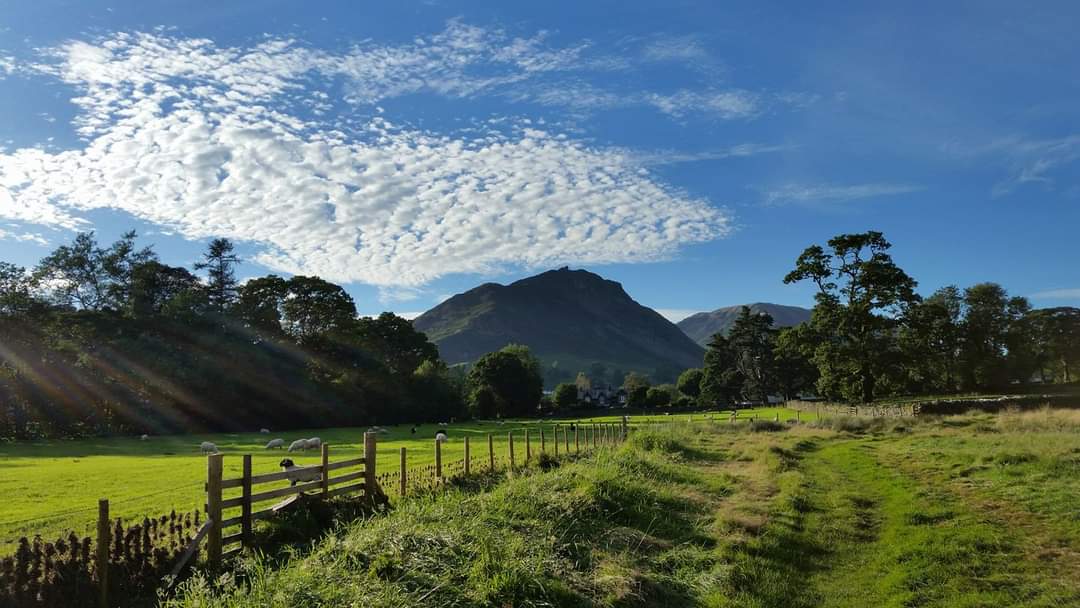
x=203, y=140
x=675, y=314
x=1056, y=294
x=22, y=237
x=670, y=157
x=1027, y=160
x=808, y=193
x=726, y=105
x=675, y=48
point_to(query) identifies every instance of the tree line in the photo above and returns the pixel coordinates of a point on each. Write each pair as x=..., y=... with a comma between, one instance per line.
x=100, y=339
x=871, y=335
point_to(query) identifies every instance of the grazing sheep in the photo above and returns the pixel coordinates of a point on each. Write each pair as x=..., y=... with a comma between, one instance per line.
x=208, y=448
x=276, y=443
x=298, y=445
x=297, y=473
x=413, y=430
x=441, y=437
x=264, y=431
x=144, y=437
x=443, y=424
x=313, y=443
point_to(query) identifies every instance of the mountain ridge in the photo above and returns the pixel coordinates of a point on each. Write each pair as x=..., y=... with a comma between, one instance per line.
x=701, y=326
x=573, y=318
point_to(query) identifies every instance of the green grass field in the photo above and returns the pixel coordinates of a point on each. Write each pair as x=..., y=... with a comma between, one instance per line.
x=965, y=511
x=53, y=486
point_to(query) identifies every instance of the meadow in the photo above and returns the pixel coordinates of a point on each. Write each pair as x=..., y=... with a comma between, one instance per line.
x=970, y=510
x=52, y=486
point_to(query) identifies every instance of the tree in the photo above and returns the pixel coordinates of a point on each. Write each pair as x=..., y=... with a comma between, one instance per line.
x=658, y=396
x=793, y=348
x=637, y=389
x=861, y=295
x=16, y=290
x=565, y=396
x=930, y=341
x=219, y=261
x=689, y=382
x=721, y=381
x=84, y=275
x=157, y=289
x=990, y=327
x=436, y=393
x=751, y=338
x=502, y=384
x=394, y=342
x=1057, y=339
x=259, y=303
x=313, y=307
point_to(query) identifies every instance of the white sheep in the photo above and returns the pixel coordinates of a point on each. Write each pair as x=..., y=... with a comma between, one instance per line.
x=298, y=445
x=144, y=437
x=264, y=431
x=208, y=448
x=443, y=424
x=298, y=473
x=441, y=437
x=275, y=443
x=313, y=443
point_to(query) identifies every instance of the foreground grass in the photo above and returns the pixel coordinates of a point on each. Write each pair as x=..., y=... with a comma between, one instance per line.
x=52, y=486
x=968, y=511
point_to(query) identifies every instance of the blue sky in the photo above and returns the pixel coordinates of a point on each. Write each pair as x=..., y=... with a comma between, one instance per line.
x=689, y=150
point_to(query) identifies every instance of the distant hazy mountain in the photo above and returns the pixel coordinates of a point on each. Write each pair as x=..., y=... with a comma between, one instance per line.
x=703, y=325
x=571, y=319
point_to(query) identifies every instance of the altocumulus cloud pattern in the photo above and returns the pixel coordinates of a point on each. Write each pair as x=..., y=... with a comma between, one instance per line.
x=245, y=143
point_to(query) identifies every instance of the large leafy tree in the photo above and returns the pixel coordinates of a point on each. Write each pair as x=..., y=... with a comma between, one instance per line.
x=992, y=350
x=1057, y=339
x=565, y=396
x=86, y=276
x=394, y=342
x=861, y=296
x=721, y=381
x=159, y=289
x=503, y=384
x=637, y=389
x=313, y=307
x=219, y=261
x=259, y=303
x=792, y=366
x=689, y=383
x=16, y=290
x=752, y=340
x=930, y=339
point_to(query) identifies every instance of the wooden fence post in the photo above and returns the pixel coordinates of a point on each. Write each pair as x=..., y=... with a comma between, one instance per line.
x=245, y=505
x=325, y=470
x=625, y=428
x=213, y=508
x=404, y=473
x=468, y=457
x=555, y=438
x=510, y=442
x=438, y=461
x=102, y=563
x=592, y=433
x=543, y=440
x=577, y=441
x=370, y=479
x=566, y=439
x=491, y=451
x=528, y=447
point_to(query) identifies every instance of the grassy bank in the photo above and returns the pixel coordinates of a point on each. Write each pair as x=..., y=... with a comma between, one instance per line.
x=50, y=486
x=969, y=511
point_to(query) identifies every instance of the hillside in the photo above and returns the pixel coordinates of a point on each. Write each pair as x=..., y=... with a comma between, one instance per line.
x=703, y=325
x=571, y=319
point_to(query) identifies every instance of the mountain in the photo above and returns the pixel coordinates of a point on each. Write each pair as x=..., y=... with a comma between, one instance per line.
x=703, y=325
x=571, y=319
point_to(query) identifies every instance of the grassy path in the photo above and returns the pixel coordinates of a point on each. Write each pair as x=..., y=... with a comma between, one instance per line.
x=861, y=533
